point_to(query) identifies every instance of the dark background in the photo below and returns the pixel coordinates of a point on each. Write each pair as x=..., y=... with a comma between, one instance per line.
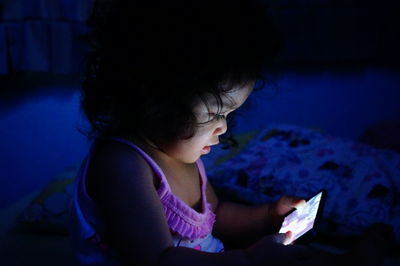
x=339, y=72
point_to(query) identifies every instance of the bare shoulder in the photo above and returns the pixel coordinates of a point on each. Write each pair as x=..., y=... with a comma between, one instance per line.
x=112, y=156
x=133, y=214
x=108, y=160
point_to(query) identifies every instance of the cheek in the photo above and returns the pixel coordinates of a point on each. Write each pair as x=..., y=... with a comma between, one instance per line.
x=204, y=132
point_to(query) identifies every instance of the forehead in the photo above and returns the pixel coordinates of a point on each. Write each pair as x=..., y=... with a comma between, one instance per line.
x=231, y=99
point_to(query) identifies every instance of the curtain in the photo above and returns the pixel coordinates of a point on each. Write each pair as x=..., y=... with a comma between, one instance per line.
x=43, y=35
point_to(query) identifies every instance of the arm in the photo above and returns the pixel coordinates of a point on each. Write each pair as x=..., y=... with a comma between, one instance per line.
x=134, y=216
x=242, y=224
x=235, y=222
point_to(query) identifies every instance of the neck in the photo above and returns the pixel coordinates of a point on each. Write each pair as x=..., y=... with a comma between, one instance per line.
x=158, y=155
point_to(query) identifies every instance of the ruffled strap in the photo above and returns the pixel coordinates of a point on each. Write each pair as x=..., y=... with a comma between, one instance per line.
x=181, y=218
x=185, y=221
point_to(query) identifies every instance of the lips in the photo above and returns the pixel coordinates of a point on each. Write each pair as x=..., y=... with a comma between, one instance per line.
x=206, y=149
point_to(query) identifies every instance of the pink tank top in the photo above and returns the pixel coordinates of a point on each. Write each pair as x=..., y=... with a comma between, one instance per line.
x=182, y=219
x=188, y=227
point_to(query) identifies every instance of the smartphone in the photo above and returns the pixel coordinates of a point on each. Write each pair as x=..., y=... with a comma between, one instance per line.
x=302, y=220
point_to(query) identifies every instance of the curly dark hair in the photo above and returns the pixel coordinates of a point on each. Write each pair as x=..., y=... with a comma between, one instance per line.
x=151, y=61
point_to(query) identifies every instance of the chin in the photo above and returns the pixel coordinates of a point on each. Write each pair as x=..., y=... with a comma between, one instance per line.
x=188, y=160
x=193, y=160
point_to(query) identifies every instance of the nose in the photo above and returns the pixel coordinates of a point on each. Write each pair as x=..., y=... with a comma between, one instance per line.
x=221, y=128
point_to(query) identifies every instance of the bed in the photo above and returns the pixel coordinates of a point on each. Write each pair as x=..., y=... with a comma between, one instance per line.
x=362, y=181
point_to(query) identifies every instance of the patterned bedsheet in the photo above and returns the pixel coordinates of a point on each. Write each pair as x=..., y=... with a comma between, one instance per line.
x=362, y=182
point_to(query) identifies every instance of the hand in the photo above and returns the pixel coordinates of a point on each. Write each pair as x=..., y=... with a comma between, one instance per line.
x=278, y=210
x=271, y=250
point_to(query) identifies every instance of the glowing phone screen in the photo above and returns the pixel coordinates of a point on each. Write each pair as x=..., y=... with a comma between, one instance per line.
x=301, y=220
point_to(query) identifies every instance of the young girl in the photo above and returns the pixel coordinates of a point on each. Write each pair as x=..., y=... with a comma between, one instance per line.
x=162, y=80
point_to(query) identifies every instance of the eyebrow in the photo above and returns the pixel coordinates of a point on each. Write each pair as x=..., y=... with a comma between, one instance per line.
x=226, y=105
x=231, y=105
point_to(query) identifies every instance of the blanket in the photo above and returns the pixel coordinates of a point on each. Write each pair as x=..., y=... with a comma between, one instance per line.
x=362, y=182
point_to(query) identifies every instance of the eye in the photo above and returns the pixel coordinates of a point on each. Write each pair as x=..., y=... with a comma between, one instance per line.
x=214, y=116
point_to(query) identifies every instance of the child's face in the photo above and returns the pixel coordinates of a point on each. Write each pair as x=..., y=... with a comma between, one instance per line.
x=208, y=131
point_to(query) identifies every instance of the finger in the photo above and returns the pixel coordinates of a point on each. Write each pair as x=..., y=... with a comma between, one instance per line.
x=288, y=238
x=285, y=204
x=293, y=202
x=299, y=204
x=281, y=238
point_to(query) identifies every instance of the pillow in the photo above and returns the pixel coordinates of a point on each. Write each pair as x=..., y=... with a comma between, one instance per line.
x=49, y=211
x=362, y=182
